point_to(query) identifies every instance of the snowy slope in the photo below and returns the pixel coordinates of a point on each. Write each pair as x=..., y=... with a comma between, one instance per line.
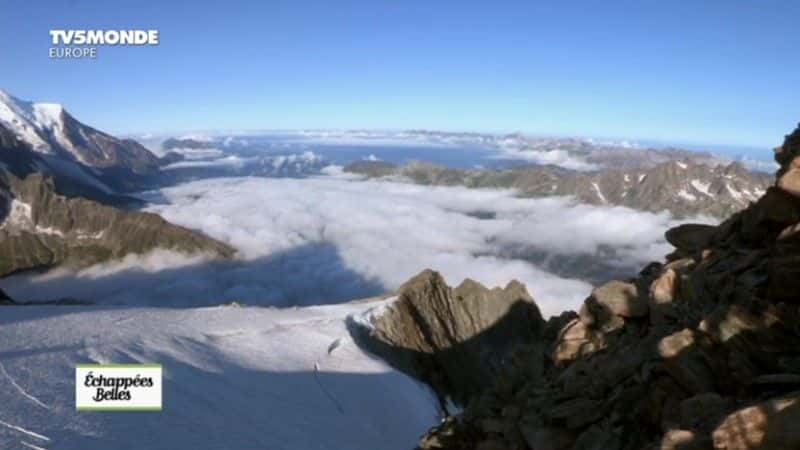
x=35, y=123
x=235, y=378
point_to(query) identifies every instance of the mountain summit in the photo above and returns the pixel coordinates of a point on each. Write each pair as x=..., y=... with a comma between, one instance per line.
x=50, y=130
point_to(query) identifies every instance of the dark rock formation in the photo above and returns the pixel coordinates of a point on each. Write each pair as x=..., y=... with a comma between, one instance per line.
x=700, y=352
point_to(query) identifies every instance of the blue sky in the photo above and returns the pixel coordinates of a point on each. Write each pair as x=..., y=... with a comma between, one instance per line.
x=722, y=72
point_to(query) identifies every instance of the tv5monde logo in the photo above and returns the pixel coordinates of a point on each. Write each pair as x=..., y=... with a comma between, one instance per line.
x=80, y=44
x=118, y=387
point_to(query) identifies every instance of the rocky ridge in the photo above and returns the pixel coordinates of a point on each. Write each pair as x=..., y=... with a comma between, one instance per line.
x=683, y=187
x=41, y=229
x=699, y=352
x=455, y=339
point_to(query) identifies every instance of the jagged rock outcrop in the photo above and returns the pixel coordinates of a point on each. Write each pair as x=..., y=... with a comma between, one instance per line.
x=456, y=339
x=683, y=187
x=701, y=351
x=40, y=229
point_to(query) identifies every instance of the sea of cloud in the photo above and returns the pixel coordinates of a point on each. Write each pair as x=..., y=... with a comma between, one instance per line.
x=335, y=237
x=561, y=158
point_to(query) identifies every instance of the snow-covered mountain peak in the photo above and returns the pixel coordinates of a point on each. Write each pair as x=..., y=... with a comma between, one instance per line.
x=37, y=113
x=49, y=129
x=48, y=115
x=28, y=120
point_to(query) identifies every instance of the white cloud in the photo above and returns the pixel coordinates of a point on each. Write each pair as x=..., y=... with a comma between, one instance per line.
x=758, y=165
x=291, y=164
x=332, y=238
x=227, y=161
x=561, y=158
x=197, y=153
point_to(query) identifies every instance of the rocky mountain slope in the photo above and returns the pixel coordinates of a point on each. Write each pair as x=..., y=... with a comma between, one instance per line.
x=698, y=352
x=58, y=179
x=70, y=178
x=684, y=188
x=40, y=228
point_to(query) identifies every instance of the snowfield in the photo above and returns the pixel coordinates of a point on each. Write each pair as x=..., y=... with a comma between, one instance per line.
x=234, y=378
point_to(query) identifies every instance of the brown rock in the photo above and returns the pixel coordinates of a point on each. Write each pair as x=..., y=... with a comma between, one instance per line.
x=691, y=237
x=703, y=411
x=491, y=444
x=684, y=360
x=790, y=180
x=727, y=322
x=577, y=412
x=763, y=221
x=790, y=232
x=597, y=438
x=789, y=150
x=548, y=438
x=771, y=425
x=663, y=292
x=783, y=283
x=621, y=299
x=662, y=403
x=492, y=426
x=575, y=339
x=684, y=440
x=672, y=345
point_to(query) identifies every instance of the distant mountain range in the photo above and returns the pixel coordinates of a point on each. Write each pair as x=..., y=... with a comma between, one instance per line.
x=567, y=152
x=573, y=153
x=685, y=187
x=62, y=183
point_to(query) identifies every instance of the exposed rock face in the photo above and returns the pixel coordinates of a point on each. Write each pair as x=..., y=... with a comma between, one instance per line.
x=41, y=229
x=71, y=178
x=684, y=188
x=98, y=149
x=455, y=339
x=770, y=425
x=698, y=352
